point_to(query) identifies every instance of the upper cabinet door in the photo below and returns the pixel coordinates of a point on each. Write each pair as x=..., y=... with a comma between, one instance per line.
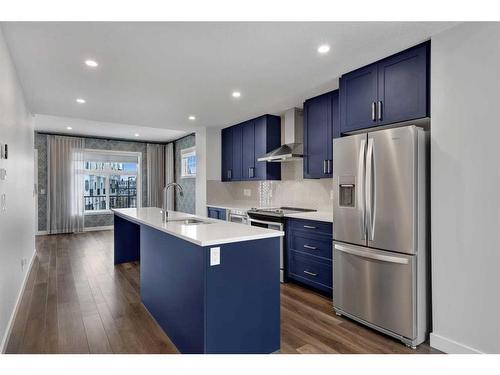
x=261, y=148
x=248, y=150
x=226, y=154
x=237, y=174
x=267, y=130
x=244, y=143
x=318, y=130
x=358, y=97
x=403, y=86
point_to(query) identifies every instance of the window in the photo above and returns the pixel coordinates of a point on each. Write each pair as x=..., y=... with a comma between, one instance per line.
x=188, y=162
x=111, y=180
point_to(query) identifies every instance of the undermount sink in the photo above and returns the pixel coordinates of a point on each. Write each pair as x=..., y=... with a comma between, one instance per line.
x=189, y=221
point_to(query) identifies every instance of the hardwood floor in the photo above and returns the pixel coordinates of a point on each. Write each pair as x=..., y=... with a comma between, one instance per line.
x=76, y=301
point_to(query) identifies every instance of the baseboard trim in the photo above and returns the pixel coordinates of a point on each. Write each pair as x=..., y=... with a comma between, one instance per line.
x=5, y=339
x=87, y=229
x=93, y=229
x=449, y=346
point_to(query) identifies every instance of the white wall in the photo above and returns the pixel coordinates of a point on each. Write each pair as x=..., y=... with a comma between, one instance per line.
x=214, y=154
x=201, y=172
x=465, y=172
x=17, y=222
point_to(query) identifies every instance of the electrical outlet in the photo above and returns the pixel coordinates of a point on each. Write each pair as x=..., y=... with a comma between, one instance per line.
x=24, y=262
x=247, y=192
x=3, y=203
x=214, y=256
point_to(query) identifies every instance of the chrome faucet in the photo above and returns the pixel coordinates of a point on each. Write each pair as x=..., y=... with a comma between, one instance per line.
x=164, y=204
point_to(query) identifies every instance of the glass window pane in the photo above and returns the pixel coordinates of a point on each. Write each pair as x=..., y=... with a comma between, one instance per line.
x=122, y=191
x=94, y=194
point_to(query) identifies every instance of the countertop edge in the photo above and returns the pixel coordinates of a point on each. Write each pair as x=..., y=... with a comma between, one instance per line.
x=196, y=242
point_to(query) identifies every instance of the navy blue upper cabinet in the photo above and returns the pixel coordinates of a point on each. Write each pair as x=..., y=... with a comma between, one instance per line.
x=249, y=150
x=237, y=174
x=251, y=140
x=227, y=154
x=394, y=89
x=358, y=97
x=403, y=86
x=321, y=125
x=267, y=138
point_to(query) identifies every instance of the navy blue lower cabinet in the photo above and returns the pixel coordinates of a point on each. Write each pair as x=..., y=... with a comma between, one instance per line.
x=216, y=213
x=126, y=240
x=232, y=307
x=309, y=250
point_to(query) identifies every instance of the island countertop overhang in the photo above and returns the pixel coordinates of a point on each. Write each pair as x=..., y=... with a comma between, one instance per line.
x=217, y=232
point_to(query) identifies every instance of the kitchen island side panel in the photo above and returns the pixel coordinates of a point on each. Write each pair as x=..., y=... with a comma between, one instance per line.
x=172, y=287
x=243, y=298
x=126, y=240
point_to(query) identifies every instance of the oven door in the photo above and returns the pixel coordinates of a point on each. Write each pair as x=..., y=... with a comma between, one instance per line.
x=275, y=226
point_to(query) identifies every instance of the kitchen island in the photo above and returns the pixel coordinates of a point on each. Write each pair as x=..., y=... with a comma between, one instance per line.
x=213, y=286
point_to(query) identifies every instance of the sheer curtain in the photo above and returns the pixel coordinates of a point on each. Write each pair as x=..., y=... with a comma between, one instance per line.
x=155, y=155
x=65, y=184
x=169, y=172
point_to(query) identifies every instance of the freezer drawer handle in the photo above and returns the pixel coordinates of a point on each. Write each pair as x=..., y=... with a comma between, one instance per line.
x=310, y=273
x=366, y=254
x=309, y=227
x=310, y=247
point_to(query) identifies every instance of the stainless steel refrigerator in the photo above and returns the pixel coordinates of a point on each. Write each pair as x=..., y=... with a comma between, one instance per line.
x=380, y=272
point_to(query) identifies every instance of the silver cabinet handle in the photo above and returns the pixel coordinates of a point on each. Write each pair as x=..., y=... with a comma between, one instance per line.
x=370, y=255
x=329, y=166
x=309, y=227
x=373, y=112
x=310, y=247
x=229, y=173
x=379, y=110
x=324, y=166
x=310, y=273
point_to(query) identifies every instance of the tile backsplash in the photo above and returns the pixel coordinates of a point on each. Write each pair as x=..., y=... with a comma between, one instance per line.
x=293, y=190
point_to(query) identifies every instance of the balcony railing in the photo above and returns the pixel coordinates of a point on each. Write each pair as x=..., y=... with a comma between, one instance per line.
x=95, y=203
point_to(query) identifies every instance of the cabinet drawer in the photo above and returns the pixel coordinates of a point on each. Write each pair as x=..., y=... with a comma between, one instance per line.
x=309, y=226
x=314, y=245
x=305, y=269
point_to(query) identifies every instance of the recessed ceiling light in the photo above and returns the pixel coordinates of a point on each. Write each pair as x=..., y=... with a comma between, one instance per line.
x=91, y=63
x=69, y=127
x=80, y=100
x=324, y=48
x=192, y=118
x=236, y=94
x=136, y=134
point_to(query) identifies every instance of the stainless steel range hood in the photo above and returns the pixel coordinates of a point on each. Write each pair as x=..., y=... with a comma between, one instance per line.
x=293, y=149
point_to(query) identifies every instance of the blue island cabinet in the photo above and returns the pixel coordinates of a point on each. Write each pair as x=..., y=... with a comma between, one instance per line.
x=231, y=307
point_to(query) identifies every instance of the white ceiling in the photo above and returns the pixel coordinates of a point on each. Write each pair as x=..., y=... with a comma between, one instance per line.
x=59, y=125
x=157, y=74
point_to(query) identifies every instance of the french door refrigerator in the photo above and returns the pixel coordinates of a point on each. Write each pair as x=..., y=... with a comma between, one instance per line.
x=380, y=248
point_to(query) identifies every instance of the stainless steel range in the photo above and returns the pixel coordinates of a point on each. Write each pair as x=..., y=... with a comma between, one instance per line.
x=274, y=218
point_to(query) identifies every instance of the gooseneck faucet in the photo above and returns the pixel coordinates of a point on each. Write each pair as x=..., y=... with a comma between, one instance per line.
x=164, y=204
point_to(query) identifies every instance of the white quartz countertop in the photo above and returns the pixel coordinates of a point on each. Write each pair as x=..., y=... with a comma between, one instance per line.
x=216, y=233
x=316, y=215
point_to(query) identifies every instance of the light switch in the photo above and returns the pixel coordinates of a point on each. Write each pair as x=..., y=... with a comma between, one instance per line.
x=3, y=174
x=214, y=256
